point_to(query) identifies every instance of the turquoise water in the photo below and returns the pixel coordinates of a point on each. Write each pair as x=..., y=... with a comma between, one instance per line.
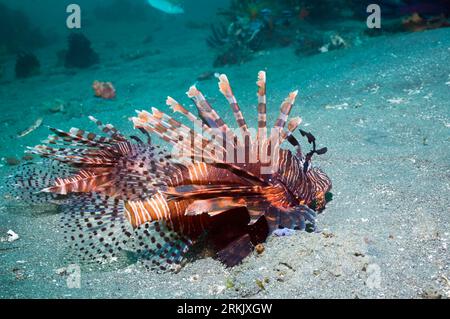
x=380, y=105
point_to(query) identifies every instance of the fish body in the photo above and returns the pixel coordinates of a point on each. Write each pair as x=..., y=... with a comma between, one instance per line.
x=232, y=191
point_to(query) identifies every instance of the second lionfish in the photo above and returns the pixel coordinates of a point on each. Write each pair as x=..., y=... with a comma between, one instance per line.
x=216, y=186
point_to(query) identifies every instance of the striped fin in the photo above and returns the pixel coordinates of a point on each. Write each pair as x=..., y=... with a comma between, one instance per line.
x=149, y=209
x=218, y=140
x=177, y=107
x=299, y=217
x=292, y=127
x=214, y=206
x=122, y=169
x=262, y=116
x=293, y=124
x=90, y=154
x=150, y=123
x=81, y=137
x=179, y=135
x=225, y=89
x=200, y=192
x=285, y=109
x=84, y=181
x=208, y=114
x=108, y=129
x=176, y=134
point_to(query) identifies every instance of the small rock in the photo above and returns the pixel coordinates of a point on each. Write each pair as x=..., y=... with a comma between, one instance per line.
x=12, y=236
x=259, y=248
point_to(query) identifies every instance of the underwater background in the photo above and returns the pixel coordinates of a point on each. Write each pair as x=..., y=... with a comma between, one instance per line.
x=377, y=98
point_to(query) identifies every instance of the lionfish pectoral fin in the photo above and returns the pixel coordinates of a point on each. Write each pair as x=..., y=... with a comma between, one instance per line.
x=214, y=206
x=28, y=180
x=236, y=251
x=94, y=224
x=300, y=217
x=97, y=227
x=159, y=247
x=258, y=230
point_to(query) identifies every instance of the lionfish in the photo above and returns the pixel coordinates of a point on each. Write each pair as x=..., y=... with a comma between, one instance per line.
x=126, y=194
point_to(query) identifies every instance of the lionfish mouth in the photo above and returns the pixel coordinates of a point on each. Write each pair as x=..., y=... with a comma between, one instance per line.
x=119, y=193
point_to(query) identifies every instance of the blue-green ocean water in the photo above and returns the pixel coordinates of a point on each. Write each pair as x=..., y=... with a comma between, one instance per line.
x=380, y=105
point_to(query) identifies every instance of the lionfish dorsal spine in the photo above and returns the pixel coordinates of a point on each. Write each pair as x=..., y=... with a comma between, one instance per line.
x=207, y=113
x=262, y=106
x=108, y=129
x=225, y=89
x=285, y=110
x=178, y=134
x=287, y=135
x=177, y=107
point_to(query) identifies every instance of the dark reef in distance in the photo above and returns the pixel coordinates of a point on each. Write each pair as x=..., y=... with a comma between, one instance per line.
x=17, y=33
x=80, y=54
x=27, y=65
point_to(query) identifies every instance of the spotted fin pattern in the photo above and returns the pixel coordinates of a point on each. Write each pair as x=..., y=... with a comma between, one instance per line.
x=27, y=181
x=97, y=228
x=159, y=247
x=95, y=225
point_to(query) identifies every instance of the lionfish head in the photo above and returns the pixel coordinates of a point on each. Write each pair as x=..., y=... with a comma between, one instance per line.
x=320, y=183
x=320, y=187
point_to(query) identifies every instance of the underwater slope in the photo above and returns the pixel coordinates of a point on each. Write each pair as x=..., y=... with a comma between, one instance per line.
x=382, y=110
